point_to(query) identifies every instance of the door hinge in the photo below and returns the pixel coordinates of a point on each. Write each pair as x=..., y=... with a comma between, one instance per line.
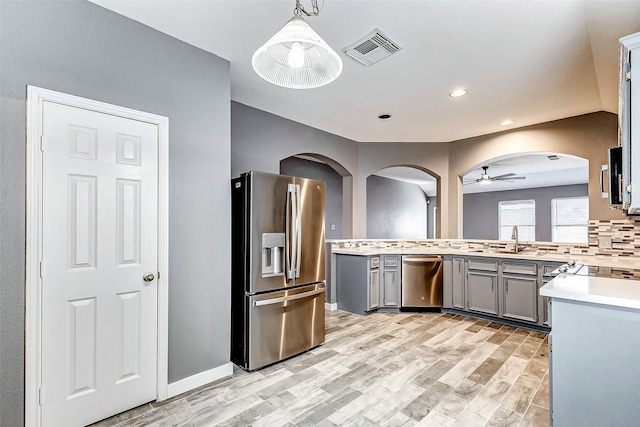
x=158, y=275
x=41, y=269
x=40, y=396
x=42, y=143
x=627, y=75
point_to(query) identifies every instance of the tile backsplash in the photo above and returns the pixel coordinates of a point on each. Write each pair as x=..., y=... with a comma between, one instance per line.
x=617, y=238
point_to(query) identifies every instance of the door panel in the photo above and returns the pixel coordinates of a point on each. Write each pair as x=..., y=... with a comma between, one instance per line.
x=481, y=292
x=99, y=237
x=312, y=195
x=267, y=215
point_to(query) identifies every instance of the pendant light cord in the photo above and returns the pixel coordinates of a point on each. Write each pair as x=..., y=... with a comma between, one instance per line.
x=301, y=10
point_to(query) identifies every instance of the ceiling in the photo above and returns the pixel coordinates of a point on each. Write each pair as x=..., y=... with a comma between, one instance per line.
x=529, y=61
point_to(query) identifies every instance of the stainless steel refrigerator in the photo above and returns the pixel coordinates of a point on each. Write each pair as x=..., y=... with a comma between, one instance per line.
x=278, y=269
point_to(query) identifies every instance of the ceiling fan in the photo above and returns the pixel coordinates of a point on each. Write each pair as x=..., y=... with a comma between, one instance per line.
x=485, y=178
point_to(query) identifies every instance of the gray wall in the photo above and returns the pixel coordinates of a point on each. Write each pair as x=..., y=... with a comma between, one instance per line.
x=395, y=209
x=85, y=50
x=260, y=140
x=309, y=169
x=481, y=209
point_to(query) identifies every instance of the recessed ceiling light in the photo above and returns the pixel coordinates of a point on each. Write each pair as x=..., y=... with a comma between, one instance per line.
x=458, y=93
x=384, y=116
x=507, y=123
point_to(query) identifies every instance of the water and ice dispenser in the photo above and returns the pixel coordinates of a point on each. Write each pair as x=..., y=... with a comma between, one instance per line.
x=272, y=254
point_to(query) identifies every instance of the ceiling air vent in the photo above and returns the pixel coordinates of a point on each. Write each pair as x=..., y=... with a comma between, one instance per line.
x=373, y=48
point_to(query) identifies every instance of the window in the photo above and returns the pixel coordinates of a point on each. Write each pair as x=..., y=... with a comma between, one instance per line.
x=517, y=212
x=569, y=219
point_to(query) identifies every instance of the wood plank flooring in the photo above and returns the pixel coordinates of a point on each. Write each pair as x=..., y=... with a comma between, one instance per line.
x=385, y=369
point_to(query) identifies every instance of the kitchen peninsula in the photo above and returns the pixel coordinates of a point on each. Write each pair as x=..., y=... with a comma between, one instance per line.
x=482, y=278
x=594, y=346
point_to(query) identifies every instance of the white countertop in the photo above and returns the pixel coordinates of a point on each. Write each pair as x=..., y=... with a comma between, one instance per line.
x=596, y=290
x=594, y=260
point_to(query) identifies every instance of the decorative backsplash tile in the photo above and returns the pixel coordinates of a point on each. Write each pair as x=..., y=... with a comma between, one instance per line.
x=618, y=238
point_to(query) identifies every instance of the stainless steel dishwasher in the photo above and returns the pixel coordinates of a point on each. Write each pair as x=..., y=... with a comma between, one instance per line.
x=421, y=281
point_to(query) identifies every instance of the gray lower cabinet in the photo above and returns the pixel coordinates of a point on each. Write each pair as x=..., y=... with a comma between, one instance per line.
x=544, y=302
x=520, y=291
x=357, y=283
x=458, y=273
x=482, y=292
x=520, y=298
x=390, y=284
x=374, y=289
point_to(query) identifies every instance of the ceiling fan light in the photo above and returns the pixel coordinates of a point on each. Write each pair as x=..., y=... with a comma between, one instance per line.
x=296, y=57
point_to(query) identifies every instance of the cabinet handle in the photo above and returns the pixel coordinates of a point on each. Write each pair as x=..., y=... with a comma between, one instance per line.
x=506, y=288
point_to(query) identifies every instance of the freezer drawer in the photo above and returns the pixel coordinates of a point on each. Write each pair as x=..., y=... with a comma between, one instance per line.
x=284, y=323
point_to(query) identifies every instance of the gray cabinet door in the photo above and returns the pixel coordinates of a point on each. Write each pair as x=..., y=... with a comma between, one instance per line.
x=482, y=292
x=391, y=288
x=520, y=298
x=458, y=276
x=390, y=281
x=544, y=301
x=374, y=289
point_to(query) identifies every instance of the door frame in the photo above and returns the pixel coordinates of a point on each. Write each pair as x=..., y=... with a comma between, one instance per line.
x=33, y=284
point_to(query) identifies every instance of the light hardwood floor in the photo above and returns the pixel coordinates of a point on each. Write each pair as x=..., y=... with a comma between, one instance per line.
x=385, y=369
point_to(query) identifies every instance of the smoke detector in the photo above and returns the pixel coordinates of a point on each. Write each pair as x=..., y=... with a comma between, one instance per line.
x=372, y=48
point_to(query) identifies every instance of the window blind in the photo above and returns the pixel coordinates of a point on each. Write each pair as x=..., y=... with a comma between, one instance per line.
x=517, y=212
x=570, y=219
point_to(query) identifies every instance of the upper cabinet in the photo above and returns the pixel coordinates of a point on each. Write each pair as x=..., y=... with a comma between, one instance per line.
x=629, y=122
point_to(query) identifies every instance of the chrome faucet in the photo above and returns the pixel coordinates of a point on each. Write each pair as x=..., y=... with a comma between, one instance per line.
x=514, y=235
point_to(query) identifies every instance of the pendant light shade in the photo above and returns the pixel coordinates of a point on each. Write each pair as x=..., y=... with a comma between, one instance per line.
x=296, y=57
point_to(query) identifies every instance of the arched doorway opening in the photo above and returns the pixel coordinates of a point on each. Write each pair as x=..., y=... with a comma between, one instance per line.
x=402, y=203
x=338, y=189
x=548, y=192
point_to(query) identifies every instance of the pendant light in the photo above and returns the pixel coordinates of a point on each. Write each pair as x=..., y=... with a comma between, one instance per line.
x=296, y=57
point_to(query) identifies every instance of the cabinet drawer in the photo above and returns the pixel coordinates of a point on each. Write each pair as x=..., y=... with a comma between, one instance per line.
x=391, y=261
x=547, y=269
x=375, y=262
x=484, y=265
x=519, y=268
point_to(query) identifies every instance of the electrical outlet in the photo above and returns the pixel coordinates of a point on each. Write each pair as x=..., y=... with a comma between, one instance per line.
x=333, y=226
x=604, y=242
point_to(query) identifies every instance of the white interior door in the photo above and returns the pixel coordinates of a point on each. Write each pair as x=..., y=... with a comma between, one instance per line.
x=99, y=240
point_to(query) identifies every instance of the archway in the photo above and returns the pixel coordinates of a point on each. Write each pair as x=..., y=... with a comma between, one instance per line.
x=339, y=183
x=402, y=203
x=548, y=191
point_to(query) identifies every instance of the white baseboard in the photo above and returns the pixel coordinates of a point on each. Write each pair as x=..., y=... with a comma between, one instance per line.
x=331, y=307
x=200, y=379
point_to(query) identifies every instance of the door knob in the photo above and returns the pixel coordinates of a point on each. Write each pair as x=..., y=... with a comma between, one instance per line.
x=148, y=277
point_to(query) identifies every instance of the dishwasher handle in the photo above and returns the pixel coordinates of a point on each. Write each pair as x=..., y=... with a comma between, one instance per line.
x=421, y=260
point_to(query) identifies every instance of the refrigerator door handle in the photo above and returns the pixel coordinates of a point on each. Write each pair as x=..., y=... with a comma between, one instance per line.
x=290, y=238
x=289, y=298
x=298, y=230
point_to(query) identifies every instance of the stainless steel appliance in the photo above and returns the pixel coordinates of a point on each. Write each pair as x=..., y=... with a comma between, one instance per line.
x=278, y=268
x=421, y=281
x=611, y=178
